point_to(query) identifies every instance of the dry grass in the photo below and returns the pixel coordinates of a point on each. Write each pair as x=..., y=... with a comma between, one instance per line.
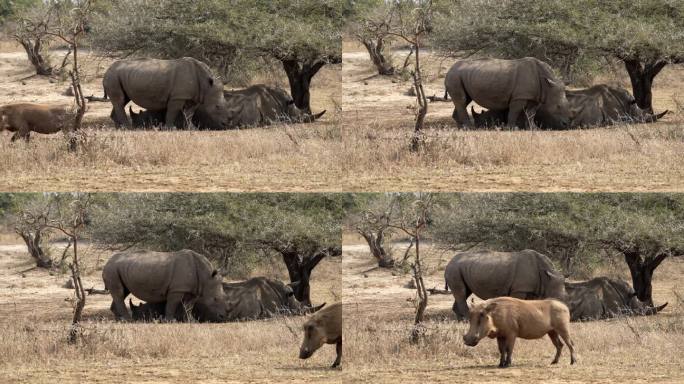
x=379, y=122
x=283, y=157
x=382, y=310
x=35, y=311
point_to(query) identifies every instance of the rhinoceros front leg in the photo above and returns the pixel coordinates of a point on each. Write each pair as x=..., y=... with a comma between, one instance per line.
x=515, y=108
x=173, y=300
x=173, y=108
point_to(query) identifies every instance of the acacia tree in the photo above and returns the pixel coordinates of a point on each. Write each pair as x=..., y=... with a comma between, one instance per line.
x=31, y=28
x=413, y=23
x=70, y=27
x=642, y=229
x=236, y=37
x=371, y=26
x=372, y=218
x=575, y=36
x=413, y=221
x=235, y=231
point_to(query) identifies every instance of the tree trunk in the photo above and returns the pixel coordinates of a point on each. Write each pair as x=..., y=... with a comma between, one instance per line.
x=35, y=250
x=418, y=139
x=299, y=74
x=641, y=76
x=375, y=243
x=299, y=269
x=75, y=329
x=375, y=50
x=43, y=68
x=641, y=269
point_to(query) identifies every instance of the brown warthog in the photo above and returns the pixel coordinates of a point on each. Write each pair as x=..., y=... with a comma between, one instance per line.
x=507, y=318
x=523, y=87
x=177, y=278
x=323, y=327
x=23, y=118
x=525, y=274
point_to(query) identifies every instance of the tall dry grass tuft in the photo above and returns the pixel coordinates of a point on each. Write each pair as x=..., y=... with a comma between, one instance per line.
x=289, y=157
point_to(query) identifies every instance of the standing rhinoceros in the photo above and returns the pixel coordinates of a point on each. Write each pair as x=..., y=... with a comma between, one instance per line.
x=603, y=298
x=522, y=87
x=524, y=275
x=177, y=86
x=178, y=278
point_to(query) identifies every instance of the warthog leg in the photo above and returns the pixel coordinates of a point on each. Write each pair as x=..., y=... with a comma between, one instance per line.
x=557, y=343
x=565, y=335
x=502, y=351
x=338, y=349
x=509, y=344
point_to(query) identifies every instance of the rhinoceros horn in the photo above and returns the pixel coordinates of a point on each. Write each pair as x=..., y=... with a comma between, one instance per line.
x=654, y=310
x=315, y=309
x=658, y=116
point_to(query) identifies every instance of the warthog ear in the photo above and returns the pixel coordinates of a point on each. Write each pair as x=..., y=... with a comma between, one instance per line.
x=489, y=307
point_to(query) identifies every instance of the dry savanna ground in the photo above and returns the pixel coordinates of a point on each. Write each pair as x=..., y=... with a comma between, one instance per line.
x=296, y=157
x=35, y=311
x=379, y=313
x=379, y=118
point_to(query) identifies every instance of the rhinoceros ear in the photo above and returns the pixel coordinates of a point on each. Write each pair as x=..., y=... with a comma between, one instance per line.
x=211, y=82
x=555, y=83
x=215, y=273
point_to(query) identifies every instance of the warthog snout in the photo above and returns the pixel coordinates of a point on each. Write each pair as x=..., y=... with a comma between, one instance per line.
x=470, y=341
x=305, y=353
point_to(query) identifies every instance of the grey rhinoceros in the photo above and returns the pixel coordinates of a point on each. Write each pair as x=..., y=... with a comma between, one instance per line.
x=524, y=275
x=602, y=105
x=256, y=298
x=180, y=86
x=522, y=87
x=260, y=105
x=597, y=106
x=181, y=278
x=261, y=297
x=255, y=106
x=603, y=298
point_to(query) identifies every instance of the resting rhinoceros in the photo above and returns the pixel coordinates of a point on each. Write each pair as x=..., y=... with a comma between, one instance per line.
x=177, y=86
x=178, y=278
x=260, y=105
x=524, y=275
x=24, y=118
x=602, y=105
x=603, y=298
x=597, y=106
x=255, y=106
x=261, y=297
x=522, y=87
x=256, y=298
